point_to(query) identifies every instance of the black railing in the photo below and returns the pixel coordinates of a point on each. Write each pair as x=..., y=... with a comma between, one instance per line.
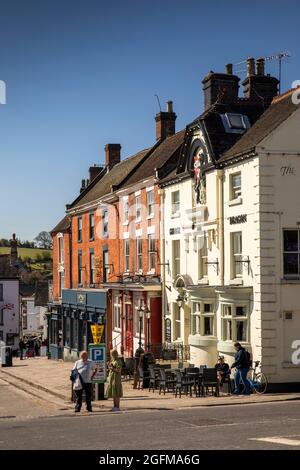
x=171, y=351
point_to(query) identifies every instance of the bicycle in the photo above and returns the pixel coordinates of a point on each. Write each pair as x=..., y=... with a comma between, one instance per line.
x=257, y=380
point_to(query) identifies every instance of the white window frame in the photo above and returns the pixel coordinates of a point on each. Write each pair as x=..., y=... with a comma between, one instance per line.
x=199, y=315
x=151, y=252
x=176, y=259
x=237, y=254
x=92, y=267
x=235, y=189
x=150, y=203
x=61, y=257
x=138, y=208
x=226, y=318
x=126, y=211
x=202, y=246
x=126, y=255
x=175, y=203
x=139, y=254
x=177, y=322
x=117, y=312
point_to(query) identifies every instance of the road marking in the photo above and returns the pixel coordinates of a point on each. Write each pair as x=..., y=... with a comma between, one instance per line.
x=279, y=440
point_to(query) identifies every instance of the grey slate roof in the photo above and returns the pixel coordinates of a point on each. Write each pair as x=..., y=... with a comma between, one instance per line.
x=62, y=226
x=280, y=109
x=101, y=187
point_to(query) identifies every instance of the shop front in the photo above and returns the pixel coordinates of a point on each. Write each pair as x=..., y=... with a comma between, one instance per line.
x=70, y=322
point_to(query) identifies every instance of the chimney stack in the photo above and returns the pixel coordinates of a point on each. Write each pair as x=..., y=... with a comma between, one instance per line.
x=112, y=155
x=221, y=87
x=165, y=122
x=259, y=88
x=94, y=171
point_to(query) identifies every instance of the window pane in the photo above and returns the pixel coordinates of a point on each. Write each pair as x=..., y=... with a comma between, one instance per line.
x=291, y=264
x=291, y=240
x=240, y=311
x=207, y=326
x=240, y=331
x=207, y=308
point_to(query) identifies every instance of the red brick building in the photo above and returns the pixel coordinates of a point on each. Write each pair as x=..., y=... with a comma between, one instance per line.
x=106, y=250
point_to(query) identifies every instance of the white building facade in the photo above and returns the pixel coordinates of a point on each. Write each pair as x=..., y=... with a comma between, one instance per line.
x=9, y=312
x=231, y=245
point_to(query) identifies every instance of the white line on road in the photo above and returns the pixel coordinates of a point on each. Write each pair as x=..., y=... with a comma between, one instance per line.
x=279, y=440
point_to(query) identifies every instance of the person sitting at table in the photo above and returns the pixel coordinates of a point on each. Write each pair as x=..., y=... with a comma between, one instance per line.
x=223, y=370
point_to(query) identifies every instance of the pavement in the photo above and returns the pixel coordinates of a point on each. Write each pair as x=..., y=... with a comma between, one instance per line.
x=48, y=380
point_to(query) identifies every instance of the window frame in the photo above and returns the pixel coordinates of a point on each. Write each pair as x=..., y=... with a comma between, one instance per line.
x=235, y=190
x=80, y=267
x=236, y=256
x=151, y=252
x=176, y=261
x=105, y=223
x=92, y=266
x=234, y=319
x=126, y=211
x=199, y=315
x=175, y=204
x=126, y=255
x=79, y=229
x=61, y=253
x=92, y=225
x=117, y=312
x=291, y=252
x=150, y=203
x=202, y=258
x=138, y=208
x=139, y=254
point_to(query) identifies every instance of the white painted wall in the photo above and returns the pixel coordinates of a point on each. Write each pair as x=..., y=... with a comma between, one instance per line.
x=10, y=317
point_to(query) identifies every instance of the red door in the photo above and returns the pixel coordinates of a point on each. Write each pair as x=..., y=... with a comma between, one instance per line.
x=128, y=330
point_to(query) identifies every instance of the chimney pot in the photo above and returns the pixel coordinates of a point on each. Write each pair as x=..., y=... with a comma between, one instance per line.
x=229, y=69
x=169, y=106
x=260, y=66
x=250, y=66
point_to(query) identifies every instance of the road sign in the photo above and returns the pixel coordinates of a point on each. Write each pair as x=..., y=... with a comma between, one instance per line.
x=97, y=332
x=97, y=353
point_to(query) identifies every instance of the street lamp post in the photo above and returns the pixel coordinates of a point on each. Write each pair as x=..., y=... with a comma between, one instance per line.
x=148, y=316
x=141, y=314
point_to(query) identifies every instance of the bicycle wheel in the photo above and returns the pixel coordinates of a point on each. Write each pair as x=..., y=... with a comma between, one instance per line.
x=260, y=383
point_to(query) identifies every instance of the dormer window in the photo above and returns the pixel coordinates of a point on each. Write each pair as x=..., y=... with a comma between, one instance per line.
x=235, y=123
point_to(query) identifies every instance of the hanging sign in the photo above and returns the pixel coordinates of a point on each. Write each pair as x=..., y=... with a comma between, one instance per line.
x=97, y=332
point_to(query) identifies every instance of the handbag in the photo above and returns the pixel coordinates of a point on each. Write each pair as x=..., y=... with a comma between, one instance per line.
x=77, y=384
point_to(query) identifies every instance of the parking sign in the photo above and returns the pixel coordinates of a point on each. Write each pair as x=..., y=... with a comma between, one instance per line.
x=97, y=353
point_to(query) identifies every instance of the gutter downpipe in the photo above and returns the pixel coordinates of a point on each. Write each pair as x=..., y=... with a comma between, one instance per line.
x=220, y=217
x=163, y=261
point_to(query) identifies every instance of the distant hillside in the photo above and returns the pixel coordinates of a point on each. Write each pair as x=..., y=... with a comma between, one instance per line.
x=27, y=252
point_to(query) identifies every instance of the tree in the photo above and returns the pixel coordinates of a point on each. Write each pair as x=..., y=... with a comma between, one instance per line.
x=44, y=240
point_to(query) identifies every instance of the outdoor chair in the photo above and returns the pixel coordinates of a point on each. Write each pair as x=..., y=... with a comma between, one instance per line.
x=210, y=380
x=165, y=382
x=183, y=383
x=152, y=379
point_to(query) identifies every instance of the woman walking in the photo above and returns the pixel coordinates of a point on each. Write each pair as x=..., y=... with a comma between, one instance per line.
x=114, y=389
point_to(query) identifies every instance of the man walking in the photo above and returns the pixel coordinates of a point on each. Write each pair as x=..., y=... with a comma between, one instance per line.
x=241, y=365
x=86, y=369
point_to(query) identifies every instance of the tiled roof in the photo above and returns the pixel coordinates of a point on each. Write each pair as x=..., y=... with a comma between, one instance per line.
x=115, y=176
x=62, y=226
x=160, y=156
x=280, y=109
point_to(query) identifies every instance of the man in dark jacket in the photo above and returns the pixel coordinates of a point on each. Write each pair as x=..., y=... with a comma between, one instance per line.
x=241, y=370
x=22, y=346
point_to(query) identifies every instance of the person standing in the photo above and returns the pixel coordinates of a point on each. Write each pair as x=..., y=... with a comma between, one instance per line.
x=22, y=347
x=241, y=365
x=114, y=389
x=86, y=370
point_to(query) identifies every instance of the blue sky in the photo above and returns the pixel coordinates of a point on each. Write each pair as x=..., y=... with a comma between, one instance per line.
x=82, y=73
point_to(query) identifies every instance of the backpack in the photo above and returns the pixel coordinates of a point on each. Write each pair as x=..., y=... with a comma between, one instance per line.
x=248, y=358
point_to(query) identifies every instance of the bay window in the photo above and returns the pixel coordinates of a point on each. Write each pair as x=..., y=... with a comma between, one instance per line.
x=235, y=322
x=203, y=319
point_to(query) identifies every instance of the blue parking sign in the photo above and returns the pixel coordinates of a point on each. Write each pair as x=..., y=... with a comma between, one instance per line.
x=97, y=353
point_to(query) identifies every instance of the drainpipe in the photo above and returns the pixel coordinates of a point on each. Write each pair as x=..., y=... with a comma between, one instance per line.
x=163, y=260
x=220, y=219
